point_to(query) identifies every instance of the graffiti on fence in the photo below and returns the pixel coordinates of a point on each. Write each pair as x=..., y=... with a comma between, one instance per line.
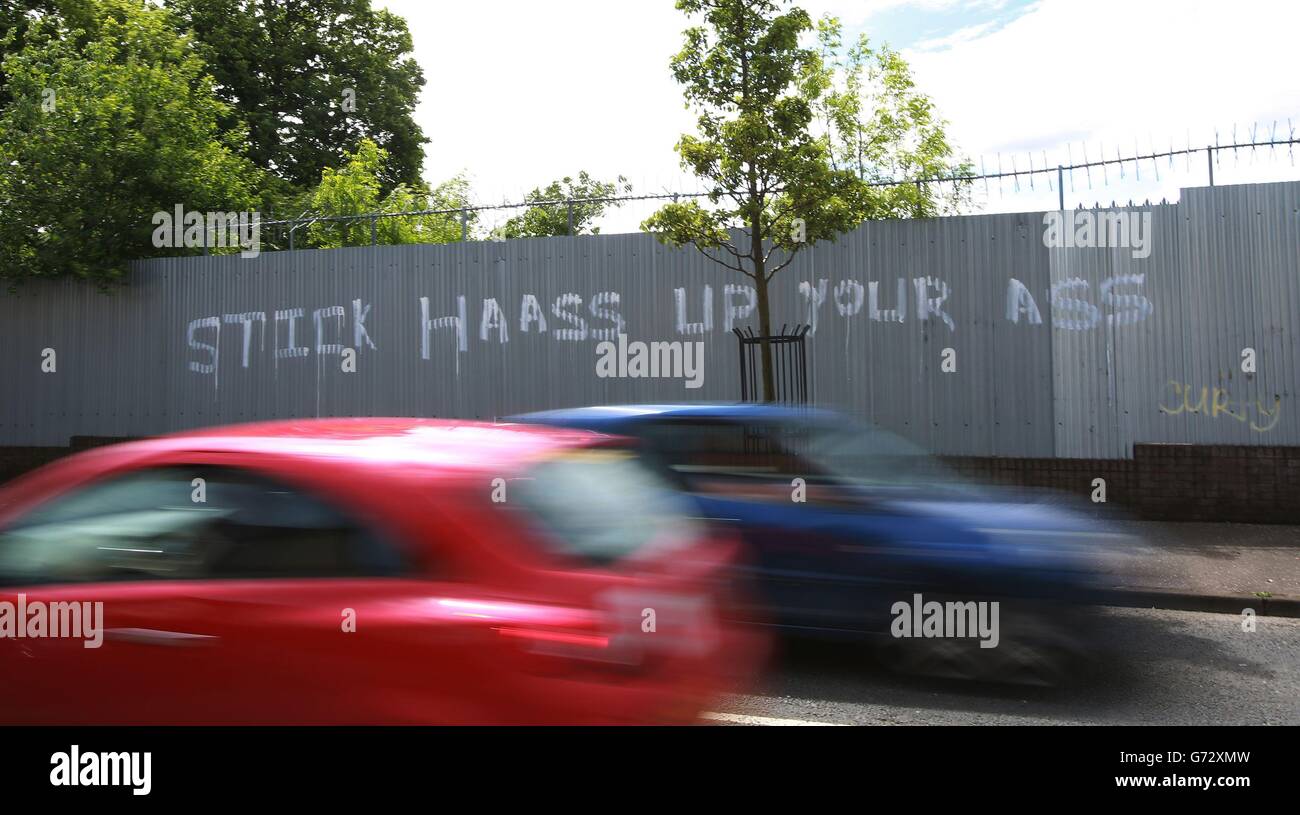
x=1215, y=403
x=295, y=332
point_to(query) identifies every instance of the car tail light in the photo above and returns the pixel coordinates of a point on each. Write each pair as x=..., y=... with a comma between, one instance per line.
x=577, y=637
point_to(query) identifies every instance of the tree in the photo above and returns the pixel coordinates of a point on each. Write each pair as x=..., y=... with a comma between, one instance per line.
x=356, y=189
x=20, y=15
x=312, y=78
x=877, y=124
x=544, y=221
x=107, y=127
x=774, y=184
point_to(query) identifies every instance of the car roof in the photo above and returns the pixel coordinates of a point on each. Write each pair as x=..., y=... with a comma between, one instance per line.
x=438, y=444
x=603, y=415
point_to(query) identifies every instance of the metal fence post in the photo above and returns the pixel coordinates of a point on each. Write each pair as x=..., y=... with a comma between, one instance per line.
x=1060, y=185
x=1209, y=155
x=464, y=225
x=374, y=240
x=569, y=206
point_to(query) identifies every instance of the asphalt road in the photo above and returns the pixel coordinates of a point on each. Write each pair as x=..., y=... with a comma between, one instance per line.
x=1159, y=667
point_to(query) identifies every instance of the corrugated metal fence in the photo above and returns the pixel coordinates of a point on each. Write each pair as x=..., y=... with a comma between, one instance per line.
x=969, y=335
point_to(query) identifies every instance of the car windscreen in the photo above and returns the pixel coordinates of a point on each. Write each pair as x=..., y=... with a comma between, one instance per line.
x=871, y=457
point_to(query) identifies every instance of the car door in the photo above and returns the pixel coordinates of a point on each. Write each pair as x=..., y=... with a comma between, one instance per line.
x=121, y=551
x=742, y=475
x=243, y=601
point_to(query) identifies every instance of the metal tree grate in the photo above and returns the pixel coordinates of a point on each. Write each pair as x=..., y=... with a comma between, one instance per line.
x=789, y=365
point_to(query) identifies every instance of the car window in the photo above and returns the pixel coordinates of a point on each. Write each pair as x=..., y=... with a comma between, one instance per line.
x=836, y=461
x=707, y=447
x=604, y=505
x=162, y=524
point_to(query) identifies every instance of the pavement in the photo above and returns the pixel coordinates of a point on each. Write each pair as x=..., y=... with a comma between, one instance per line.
x=1213, y=567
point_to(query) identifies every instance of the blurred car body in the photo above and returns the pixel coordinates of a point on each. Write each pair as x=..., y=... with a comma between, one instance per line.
x=843, y=521
x=492, y=574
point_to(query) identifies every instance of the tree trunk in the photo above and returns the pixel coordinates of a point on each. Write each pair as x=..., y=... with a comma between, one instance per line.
x=764, y=327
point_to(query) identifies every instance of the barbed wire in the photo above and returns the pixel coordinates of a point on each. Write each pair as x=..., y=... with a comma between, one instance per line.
x=957, y=179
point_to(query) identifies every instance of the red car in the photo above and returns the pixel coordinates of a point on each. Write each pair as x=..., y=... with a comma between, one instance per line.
x=359, y=571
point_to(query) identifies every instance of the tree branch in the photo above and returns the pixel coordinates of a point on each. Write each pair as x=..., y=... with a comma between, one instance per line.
x=787, y=262
x=722, y=262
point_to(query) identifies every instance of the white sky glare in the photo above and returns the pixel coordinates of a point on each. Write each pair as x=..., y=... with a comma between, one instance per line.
x=520, y=93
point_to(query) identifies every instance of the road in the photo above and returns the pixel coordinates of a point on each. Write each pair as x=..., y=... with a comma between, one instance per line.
x=1161, y=667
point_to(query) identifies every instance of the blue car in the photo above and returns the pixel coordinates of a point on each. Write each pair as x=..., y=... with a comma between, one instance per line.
x=854, y=532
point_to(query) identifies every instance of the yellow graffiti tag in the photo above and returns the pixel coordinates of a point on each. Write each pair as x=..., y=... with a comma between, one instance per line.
x=1216, y=402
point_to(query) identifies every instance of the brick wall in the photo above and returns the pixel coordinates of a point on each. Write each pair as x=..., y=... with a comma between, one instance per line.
x=1176, y=482
x=14, y=461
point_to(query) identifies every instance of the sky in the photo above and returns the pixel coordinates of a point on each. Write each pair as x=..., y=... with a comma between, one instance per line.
x=519, y=93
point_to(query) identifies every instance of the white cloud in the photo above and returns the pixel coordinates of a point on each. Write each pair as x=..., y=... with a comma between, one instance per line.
x=959, y=36
x=520, y=93
x=1123, y=74
x=857, y=12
